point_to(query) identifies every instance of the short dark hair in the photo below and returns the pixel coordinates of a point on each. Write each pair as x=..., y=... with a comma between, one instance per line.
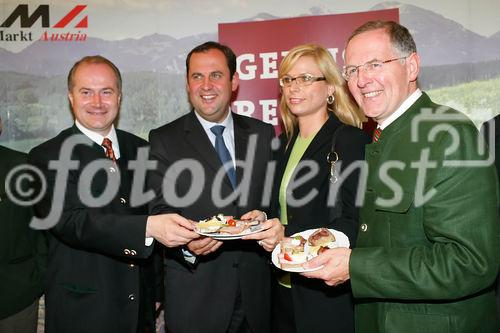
x=228, y=53
x=95, y=59
x=401, y=39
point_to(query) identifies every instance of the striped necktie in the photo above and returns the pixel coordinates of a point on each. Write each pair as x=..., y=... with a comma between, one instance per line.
x=106, y=143
x=376, y=134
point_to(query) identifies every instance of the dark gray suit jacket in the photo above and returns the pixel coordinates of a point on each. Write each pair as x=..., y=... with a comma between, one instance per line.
x=201, y=298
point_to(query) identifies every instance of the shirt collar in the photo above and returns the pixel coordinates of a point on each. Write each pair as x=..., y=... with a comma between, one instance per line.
x=227, y=122
x=402, y=108
x=97, y=138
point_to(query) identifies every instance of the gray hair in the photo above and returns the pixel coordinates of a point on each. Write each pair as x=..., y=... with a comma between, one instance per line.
x=401, y=39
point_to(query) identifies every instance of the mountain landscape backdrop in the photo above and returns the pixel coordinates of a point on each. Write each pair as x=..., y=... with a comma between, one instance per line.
x=33, y=92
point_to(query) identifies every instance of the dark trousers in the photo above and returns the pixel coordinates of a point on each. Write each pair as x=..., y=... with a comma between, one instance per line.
x=238, y=323
x=283, y=317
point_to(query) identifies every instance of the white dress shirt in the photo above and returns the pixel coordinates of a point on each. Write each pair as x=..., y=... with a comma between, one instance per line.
x=97, y=138
x=402, y=109
x=228, y=133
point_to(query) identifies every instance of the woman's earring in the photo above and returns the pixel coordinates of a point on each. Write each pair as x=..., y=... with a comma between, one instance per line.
x=330, y=99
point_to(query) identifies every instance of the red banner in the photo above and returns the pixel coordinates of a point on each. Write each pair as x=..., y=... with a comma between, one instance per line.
x=260, y=47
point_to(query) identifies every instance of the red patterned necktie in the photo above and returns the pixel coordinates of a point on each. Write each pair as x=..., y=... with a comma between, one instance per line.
x=376, y=134
x=106, y=143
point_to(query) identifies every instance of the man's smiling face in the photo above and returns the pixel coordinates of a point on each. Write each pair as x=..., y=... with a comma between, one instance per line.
x=380, y=92
x=209, y=84
x=95, y=98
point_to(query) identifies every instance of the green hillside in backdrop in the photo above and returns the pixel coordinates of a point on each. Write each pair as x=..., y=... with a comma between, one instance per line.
x=480, y=100
x=35, y=108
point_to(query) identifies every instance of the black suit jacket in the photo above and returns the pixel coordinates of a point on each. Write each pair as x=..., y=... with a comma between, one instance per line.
x=317, y=307
x=201, y=298
x=93, y=276
x=22, y=250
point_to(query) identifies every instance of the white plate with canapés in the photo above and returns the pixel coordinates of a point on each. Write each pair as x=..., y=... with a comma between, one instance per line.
x=293, y=252
x=223, y=227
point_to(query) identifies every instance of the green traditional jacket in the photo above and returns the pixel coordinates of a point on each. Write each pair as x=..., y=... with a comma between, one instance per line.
x=428, y=248
x=22, y=250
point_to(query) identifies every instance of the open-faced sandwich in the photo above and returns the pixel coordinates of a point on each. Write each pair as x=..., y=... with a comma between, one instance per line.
x=293, y=253
x=213, y=224
x=221, y=224
x=319, y=241
x=296, y=250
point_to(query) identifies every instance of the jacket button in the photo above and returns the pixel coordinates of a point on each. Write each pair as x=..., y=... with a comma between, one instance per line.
x=133, y=252
x=364, y=227
x=127, y=252
x=123, y=201
x=131, y=265
x=131, y=297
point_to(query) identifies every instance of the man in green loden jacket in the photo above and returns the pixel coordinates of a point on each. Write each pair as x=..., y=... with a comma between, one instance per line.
x=428, y=249
x=22, y=253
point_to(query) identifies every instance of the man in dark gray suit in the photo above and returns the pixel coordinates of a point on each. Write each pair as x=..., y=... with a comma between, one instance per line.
x=213, y=286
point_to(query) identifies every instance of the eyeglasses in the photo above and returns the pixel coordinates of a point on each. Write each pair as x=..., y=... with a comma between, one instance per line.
x=369, y=67
x=302, y=80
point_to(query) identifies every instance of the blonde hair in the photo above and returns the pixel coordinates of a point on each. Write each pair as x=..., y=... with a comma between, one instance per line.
x=343, y=107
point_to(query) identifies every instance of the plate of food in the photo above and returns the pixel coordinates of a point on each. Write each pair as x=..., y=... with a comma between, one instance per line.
x=293, y=252
x=223, y=227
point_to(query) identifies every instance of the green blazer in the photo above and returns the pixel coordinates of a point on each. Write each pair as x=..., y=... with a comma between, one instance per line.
x=427, y=263
x=22, y=250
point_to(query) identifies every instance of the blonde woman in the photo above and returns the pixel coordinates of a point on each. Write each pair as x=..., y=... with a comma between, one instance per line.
x=315, y=105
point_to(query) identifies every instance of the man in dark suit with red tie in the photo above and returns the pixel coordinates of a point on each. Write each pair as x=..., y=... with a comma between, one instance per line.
x=98, y=275
x=213, y=286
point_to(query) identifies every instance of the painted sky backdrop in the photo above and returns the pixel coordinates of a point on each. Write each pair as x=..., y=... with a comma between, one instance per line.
x=180, y=18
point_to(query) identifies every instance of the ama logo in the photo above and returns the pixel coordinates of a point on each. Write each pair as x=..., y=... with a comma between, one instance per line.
x=42, y=12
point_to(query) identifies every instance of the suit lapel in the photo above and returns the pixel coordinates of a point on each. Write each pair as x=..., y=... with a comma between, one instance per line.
x=323, y=136
x=405, y=120
x=94, y=147
x=127, y=151
x=199, y=141
x=240, y=143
